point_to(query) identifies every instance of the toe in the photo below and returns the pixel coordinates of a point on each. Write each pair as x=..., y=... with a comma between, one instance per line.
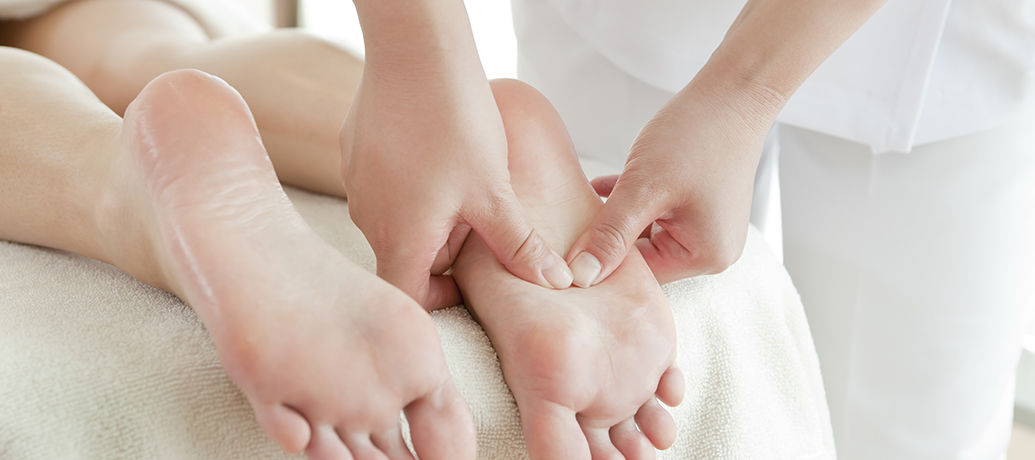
x=326, y=445
x=631, y=442
x=392, y=444
x=552, y=431
x=441, y=427
x=361, y=446
x=287, y=427
x=657, y=424
x=671, y=387
x=600, y=445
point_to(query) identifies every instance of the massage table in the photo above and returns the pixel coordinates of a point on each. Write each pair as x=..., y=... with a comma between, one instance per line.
x=96, y=365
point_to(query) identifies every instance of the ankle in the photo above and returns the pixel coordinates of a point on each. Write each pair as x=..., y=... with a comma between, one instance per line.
x=120, y=221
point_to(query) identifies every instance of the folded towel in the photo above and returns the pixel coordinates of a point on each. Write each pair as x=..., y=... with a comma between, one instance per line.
x=96, y=365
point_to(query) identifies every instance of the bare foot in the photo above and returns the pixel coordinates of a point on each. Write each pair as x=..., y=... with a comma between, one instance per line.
x=328, y=354
x=584, y=364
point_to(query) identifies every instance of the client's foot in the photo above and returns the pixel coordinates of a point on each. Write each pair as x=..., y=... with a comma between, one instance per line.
x=327, y=353
x=584, y=364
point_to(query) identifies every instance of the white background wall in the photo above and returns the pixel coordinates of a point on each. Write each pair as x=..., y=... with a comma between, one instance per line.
x=490, y=22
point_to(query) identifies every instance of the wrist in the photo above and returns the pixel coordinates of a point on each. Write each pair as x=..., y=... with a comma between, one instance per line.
x=775, y=45
x=421, y=39
x=740, y=104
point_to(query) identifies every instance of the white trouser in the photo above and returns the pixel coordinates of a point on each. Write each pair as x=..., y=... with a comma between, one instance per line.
x=917, y=271
x=917, y=276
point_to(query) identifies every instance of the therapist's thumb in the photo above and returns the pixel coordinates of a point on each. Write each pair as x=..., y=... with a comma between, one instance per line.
x=515, y=243
x=614, y=231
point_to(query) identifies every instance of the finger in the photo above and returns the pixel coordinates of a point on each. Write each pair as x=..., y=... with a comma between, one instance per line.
x=391, y=442
x=513, y=240
x=441, y=427
x=445, y=257
x=442, y=293
x=604, y=185
x=603, y=246
x=667, y=258
x=631, y=442
x=671, y=387
x=656, y=424
x=647, y=231
x=408, y=267
x=552, y=431
x=326, y=445
x=284, y=425
x=600, y=446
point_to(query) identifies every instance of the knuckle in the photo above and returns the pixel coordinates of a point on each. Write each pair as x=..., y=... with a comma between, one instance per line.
x=612, y=242
x=519, y=246
x=499, y=198
x=490, y=204
x=530, y=250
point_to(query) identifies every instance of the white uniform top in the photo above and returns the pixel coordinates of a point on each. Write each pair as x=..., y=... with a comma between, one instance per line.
x=919, y=71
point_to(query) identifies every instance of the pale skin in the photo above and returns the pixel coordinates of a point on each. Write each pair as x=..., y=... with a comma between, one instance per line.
x=423, y=80
x=180, y=193
x=575, y=359
x=686, y=187
x=687, y=184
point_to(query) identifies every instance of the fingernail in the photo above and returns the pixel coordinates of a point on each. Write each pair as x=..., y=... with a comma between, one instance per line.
x=556, y=273
x=585, y=269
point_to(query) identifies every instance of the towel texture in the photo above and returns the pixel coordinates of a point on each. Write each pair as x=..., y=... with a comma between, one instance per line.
x=95, y=365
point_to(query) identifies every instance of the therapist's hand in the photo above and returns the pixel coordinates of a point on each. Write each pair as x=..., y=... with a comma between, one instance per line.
x=692, y=167
x=690, y=172
x=423, y=166
x=424, y=155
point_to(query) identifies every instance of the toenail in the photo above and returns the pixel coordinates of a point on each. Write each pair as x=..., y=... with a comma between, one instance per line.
x=585, y=269
x=557, y=273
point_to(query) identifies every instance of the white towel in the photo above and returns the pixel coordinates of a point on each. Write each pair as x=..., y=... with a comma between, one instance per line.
x=96, y=365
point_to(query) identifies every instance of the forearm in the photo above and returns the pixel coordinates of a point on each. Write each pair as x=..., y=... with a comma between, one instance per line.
x=775, y=45
x=425, y=41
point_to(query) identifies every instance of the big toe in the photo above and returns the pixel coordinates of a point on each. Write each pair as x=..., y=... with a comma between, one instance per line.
x=441, y=426
x=288, y=428
x=552, y=431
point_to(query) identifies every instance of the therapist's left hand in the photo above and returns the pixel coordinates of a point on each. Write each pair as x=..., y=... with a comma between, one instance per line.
x=690, y=172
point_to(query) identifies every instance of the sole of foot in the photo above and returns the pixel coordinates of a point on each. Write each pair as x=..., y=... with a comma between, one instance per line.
x=586, y=366
x=328, y=354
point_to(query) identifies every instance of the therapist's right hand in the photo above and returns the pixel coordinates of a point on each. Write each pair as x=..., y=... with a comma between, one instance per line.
x=686, y=186
x=425, y=162
x=684, y=196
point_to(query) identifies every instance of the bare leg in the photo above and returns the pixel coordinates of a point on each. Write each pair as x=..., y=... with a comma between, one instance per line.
x=181, y=195
x=298, y=87
x=584, y=364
